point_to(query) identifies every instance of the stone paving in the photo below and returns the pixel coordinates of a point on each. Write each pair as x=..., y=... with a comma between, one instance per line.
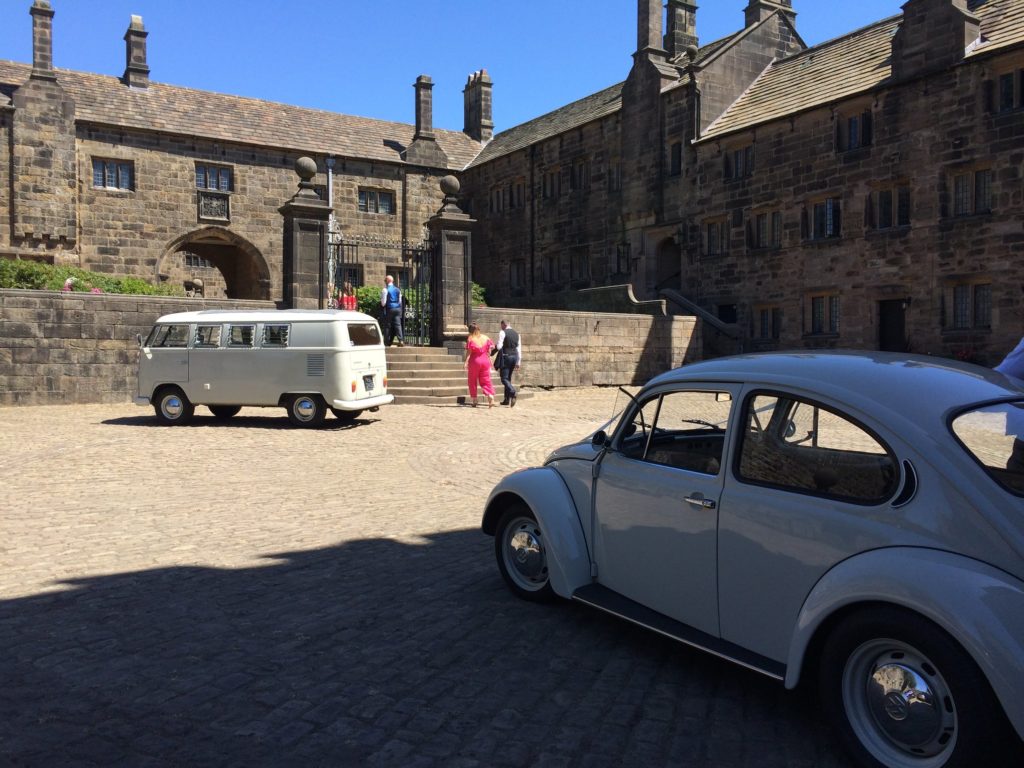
x=248, y=593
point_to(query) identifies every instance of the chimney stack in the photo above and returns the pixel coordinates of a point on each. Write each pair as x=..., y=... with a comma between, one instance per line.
x=682, y=27
x=42, y=40
x=648, y=25
x=759, y=10
x=932, y=35
x=478, y=124
x=424, y=107
x=136, y=71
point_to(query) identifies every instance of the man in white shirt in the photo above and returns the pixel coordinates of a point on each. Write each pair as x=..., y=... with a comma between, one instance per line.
x=510, y=345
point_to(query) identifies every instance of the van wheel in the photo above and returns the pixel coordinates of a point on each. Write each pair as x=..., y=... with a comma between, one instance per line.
x=306, y=410
x=171, y=406
x=224, y=411
x=346, y=416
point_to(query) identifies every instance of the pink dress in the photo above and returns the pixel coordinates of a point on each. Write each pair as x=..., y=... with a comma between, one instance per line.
x=479, y=368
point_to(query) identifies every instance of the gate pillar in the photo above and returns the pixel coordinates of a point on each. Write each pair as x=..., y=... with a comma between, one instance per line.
x=451, y=231
x=306, y=219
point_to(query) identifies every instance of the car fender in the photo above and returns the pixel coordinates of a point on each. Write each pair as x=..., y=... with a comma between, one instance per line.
x=545, y=493
x=981, y=607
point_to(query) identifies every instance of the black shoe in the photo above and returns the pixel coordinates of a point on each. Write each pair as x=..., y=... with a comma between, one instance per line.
x=512, y=402
x=504, y=402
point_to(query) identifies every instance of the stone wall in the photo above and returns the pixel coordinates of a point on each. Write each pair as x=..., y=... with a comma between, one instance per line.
x=63, y=348
x=573, y=349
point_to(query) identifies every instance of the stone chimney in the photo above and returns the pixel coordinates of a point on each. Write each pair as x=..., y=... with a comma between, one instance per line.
x=136, y=71
x=682, y=27
x=648, y=25
x=933, y=35
x=759, y=10
x=42, y=40
x=477, y=99
x=424, y=107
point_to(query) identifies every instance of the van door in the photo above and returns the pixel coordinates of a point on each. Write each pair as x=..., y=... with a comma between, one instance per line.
x=164, y=358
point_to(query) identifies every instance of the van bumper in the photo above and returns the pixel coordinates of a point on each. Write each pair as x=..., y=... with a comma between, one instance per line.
x=362, y=405
x=141, y=400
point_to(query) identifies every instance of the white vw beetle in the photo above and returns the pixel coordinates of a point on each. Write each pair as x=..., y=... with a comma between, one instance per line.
x=857, y=518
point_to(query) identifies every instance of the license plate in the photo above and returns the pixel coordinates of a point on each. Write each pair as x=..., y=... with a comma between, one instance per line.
x=368, y=382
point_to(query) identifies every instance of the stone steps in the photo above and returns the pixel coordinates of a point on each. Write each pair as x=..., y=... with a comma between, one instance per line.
x=430, y=376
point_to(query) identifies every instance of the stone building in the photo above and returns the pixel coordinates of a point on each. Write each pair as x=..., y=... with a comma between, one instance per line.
x=132, y=177
x=865, y=192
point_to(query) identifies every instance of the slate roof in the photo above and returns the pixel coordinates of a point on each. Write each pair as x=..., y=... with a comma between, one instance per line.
x=855, y=63
x=172, y=109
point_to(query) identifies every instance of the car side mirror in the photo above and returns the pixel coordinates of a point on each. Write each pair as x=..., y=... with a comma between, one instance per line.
x=138, y=339
x=600, y=439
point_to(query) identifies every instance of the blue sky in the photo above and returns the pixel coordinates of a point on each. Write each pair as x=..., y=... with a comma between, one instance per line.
x=361, y=58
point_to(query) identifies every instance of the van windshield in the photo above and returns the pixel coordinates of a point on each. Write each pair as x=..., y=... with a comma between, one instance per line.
x=363, y=334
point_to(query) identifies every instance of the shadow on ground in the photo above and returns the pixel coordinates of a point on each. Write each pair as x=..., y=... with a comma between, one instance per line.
x=374, y=652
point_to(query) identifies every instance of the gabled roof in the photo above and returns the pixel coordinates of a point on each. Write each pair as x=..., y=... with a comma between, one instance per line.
x=105, y=100
x=846, y=66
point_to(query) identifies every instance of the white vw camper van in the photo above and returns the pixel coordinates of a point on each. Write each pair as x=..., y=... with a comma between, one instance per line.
x=306, y=361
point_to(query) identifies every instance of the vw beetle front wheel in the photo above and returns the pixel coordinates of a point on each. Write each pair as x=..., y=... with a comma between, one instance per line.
x=902, y=693
x=521, y=551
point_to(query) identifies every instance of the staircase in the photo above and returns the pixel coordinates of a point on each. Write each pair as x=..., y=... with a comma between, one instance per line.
x=426, y=376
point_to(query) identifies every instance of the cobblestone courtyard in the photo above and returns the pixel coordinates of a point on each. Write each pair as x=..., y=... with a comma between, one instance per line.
x=247, y=593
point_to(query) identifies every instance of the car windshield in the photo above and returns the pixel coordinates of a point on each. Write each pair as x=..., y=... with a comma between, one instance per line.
x=994, y=436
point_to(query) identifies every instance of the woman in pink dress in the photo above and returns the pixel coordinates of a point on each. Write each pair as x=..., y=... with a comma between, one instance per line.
x=477, y=360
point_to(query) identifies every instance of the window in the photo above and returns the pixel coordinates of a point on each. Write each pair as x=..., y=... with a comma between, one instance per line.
x=241, y=335
x=580, y=179
x=675, y=162
x=767, y=230
x=684, y=430
x=376, y=201
x=824, y=314
x=197, y=262
x=214, y=177
x=854, y=131
x=1008, y=93
x=497, y=200
x=579, y=264
x=551, y=183
x=113, y=174
x=890, y=207
x=550, y=269
x=827, y=220
x=797, y=445
x=168, y=336
x=971, y=305
x=769, y=323
x=716, y=238
x=364, y=334
x=517, y=275
x=518, y=194
x=207, y=336
x=739, y=163
x=622, y=258
x=972, y=192
x=614, y=177
x=994, y=436
x=275, y=335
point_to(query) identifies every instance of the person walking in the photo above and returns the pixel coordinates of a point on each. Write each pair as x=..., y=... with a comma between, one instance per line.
x=510, y=343
x=391, y=302
x=477, y=361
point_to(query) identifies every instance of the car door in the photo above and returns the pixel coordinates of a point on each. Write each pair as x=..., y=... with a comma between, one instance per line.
x=166, y=355
x=656, y=500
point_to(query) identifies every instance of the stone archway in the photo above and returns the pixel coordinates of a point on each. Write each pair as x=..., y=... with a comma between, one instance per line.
x=225, y=264
x=669, y=265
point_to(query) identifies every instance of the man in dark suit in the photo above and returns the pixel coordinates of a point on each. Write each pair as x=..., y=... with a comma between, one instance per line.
x=511, y=346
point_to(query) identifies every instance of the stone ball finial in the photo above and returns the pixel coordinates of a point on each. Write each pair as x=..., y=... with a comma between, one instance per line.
x=691, y=52
x=306, y=168
x=450, y=186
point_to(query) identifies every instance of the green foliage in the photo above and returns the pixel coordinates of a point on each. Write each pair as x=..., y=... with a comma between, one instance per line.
x=34, y=275
x=478, y=295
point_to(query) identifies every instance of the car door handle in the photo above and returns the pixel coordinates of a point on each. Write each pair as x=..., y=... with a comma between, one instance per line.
x=700, y=501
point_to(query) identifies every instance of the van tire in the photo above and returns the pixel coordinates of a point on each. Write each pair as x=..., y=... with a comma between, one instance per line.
x=306, y=410
x=222, y=412
x=346, y=416
x=171, y=406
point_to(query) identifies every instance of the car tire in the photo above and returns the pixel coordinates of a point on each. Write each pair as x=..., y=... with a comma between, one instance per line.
x=883, y=672
x=224, y=411
x=306, y=410
x=520, y=549
x=346, y=416
x=171, y=406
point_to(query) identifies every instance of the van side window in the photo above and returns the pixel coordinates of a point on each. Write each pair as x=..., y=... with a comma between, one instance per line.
x=275, y=335
x=208, y=336
x=169, y=336
x=241, y=335
x=364, y=334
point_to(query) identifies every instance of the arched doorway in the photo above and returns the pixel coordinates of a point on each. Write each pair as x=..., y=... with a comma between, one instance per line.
x=216, y=263
x=669, y=265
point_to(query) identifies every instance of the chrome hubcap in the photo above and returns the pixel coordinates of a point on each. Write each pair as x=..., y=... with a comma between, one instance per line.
x=304, y=408
x=524, y=554
x=899, y=704
x=172, y=406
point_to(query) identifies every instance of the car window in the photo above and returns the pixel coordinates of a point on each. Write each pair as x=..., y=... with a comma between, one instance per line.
x=803, y=446
x=363, y=334
x=683, y=429
x=169, y=336
x=275, y=335
x=241, y=335
x=207, y=336
x=994, y=436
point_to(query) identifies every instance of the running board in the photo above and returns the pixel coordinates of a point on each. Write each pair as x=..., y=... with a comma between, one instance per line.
x=611, y=602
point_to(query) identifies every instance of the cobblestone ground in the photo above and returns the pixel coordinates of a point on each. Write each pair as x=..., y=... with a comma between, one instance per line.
x=247, y=593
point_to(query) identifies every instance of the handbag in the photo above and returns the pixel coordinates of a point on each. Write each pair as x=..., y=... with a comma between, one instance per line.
x=499, y=360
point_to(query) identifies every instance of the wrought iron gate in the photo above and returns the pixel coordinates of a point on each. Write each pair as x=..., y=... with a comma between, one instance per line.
x=349, y=259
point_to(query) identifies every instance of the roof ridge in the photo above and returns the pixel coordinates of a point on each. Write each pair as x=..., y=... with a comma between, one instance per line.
x=809, y=51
